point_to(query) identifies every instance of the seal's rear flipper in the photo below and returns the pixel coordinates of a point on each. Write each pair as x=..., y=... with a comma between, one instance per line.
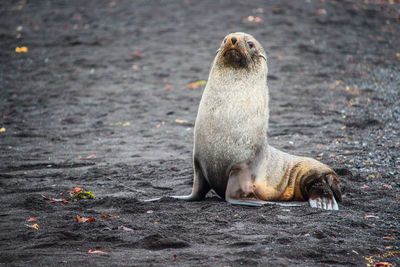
x=326, y=203
x=323, y=191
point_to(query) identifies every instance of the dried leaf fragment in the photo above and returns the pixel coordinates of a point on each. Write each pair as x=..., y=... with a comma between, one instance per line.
x=2, y=130
x=387, y=186
x=84, y=219
x=22, y=49
x=252, y=19
x=184, y=122
x=382, y=263
x=31, y=220
x=34, y=226
x=124, y=124
x=121, y=227
x=181, y=121
x=96, y=251
x=53, y=200
x=197, y=84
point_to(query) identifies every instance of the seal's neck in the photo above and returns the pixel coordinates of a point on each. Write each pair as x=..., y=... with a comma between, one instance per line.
x=230, y=79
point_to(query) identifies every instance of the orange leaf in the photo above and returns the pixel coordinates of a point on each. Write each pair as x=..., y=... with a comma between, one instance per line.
x=105, y=215
x=193, y=85
x=84, y=219
x=31, y=220
x=379, y=264
x=34, y=226
x=80, y=219
x=22, y=49
x=96, y=251
x=77, y=189
x=169, y=87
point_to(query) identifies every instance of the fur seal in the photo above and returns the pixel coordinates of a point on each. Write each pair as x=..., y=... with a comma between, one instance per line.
x=231, y=152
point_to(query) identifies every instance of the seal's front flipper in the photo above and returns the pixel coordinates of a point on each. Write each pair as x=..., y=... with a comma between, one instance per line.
x=323, y=191
x=199, y=191
x=200, y=187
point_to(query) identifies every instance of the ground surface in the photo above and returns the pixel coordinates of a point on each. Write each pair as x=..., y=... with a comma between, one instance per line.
x=94, y=104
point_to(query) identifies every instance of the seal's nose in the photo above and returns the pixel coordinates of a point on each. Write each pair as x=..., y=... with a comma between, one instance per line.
x=233, y=40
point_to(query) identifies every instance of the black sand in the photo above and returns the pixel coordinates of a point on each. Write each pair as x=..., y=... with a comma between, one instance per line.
x=93, y=66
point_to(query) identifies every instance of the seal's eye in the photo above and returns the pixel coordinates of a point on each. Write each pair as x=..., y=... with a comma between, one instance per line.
x=251, y=44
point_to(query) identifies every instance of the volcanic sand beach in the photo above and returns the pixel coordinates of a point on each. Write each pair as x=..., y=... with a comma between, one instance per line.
x=105, y=97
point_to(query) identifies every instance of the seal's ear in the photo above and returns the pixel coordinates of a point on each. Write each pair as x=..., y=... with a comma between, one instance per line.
x=216, y=52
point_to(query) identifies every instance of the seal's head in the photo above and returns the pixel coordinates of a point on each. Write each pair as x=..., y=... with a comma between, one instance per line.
x=240, y=50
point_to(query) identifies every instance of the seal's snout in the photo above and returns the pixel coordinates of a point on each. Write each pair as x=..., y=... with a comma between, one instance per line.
x=240, y=50
x=233, y=52
x=231, y=41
